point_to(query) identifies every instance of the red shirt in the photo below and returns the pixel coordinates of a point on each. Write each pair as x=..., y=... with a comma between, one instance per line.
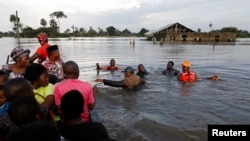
x=42, y=52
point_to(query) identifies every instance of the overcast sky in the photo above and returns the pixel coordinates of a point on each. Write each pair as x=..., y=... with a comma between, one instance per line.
x=130, y=14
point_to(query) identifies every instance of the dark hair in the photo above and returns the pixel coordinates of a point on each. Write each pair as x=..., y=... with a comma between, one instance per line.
x=2, y=72
x=1, y=87
x=17, y=87
x=51, y=49
x=35, y=131
x=171, y=62
x=23, y=110
x=71, y=69
x=129, y=70
x=53, y=79
x=33, y=71
x=72, y=104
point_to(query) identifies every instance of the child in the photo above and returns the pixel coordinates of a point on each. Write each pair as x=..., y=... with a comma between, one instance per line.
x=54, y=63
x=3, y=103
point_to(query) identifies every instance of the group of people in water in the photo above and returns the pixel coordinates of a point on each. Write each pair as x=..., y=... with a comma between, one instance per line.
x=134, y=80
x=50, y=90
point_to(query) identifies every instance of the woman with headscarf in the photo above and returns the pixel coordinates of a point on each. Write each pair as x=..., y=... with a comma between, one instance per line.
x=111, y=67
x=20, y=57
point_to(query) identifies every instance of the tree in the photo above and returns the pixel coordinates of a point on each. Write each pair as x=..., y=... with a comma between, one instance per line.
x=92, y=32
x=82, y=31
x=54, y=28
x=58, y=15
x=28, y=32
x=210, y=25
x=53, y=23
x=142, y=32
x=111, y=31
x=101, y=32
x=14, y=20
x=126, y=32
x=199, y=30
x=229, y=29
x=43, y=22
x=67, y=31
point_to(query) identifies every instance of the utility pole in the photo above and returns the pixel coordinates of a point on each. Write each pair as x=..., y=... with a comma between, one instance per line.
x=17, y=29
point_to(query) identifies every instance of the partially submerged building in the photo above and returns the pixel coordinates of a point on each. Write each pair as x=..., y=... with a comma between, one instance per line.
x=178, y=33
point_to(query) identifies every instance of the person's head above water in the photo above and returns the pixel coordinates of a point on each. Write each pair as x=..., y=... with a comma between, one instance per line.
x=71, y=70
x=112, y=62
x=185, y=65
x=128, y=71
x=141, y=67
x=170, y=64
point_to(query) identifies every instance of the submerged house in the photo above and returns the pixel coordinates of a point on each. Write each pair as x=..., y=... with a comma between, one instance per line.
x=178, y=33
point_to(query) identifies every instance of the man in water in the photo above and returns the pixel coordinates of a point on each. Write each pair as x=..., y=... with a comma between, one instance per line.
x=141, y=71
x=170, y=69
x=130, y=81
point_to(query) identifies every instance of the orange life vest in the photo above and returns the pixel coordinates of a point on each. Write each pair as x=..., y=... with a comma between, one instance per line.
x=187, y=76
x=111, y=68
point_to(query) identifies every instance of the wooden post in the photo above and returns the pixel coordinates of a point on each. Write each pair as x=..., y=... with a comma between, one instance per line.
x=132, y=40
x=161, y=41
x=154, y=40
x=17, y=29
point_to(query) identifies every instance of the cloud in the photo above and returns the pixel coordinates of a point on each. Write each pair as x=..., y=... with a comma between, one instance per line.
x=130, y=14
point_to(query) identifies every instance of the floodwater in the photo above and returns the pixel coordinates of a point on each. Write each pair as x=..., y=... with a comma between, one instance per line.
x=164, y=109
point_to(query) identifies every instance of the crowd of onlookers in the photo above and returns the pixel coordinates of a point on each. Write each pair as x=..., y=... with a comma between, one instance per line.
x=41, y=98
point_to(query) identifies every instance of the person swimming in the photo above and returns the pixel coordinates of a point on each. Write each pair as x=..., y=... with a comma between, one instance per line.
x=111, y=67
x=170, y=70
x=130, y=81
x=141, y=71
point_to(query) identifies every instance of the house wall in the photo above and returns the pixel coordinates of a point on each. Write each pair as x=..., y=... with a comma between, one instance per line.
x=179, y=33
x=198, y=37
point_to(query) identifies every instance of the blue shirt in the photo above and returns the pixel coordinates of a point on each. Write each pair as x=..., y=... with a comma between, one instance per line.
x=4, y=107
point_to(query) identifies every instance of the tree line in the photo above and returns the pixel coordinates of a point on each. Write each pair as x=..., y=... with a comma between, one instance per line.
x=52, y=28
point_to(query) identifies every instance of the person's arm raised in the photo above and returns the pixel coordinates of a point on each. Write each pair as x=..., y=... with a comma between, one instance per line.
x=33, y=57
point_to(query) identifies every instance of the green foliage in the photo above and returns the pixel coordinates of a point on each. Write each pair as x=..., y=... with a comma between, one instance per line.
x=229, y=29
x=239, y=33
x=54, y=29
x=126, y=33
x=142, y=32
x=43, y=22
x=111, y=31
